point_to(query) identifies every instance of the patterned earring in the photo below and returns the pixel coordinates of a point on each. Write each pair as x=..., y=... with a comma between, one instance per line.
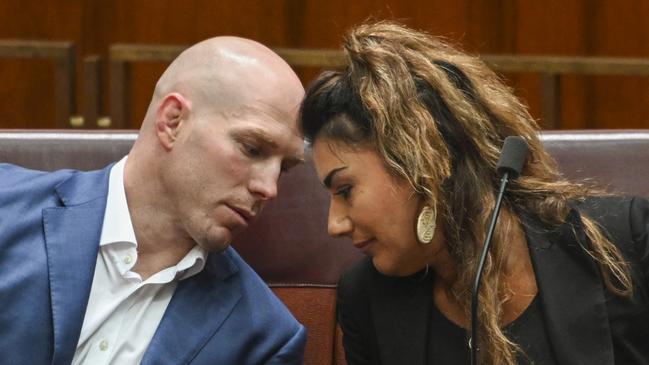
x=426, y=224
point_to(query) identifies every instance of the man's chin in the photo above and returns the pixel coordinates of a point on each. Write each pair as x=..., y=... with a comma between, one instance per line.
x=217, y=239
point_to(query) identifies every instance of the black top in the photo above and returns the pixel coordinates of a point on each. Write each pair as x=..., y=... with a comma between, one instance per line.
x=448, y=343
x=385, y=320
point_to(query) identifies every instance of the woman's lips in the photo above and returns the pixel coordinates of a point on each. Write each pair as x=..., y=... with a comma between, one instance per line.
x=363, y=244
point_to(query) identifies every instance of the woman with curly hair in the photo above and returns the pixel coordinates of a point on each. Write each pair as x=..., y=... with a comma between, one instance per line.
x=406, y=137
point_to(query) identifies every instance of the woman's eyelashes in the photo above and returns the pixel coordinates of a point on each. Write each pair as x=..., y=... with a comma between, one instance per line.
x=344, y=191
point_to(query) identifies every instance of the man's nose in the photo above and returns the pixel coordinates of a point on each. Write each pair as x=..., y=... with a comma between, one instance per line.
x=339, y=223
x=263, y=183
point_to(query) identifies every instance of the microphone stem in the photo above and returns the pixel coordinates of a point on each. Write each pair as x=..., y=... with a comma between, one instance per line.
x=473, y=341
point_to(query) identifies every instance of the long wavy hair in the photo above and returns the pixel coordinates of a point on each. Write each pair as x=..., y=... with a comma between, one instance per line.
x=438, y=118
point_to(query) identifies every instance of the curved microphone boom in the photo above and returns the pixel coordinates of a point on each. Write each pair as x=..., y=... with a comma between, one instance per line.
x=510, y=164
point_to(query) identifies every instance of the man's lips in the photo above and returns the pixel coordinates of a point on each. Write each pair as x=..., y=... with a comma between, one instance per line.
x=243, y=213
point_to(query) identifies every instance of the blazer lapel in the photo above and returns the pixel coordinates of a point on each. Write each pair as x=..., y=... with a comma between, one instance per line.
x=72, y=234
x=400, y=311
x=572, y=293
x=197, y=310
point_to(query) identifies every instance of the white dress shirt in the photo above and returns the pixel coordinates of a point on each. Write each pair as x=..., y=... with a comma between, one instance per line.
x=124, y=311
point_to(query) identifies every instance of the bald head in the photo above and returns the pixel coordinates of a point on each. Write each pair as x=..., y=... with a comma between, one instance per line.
x=225, y=73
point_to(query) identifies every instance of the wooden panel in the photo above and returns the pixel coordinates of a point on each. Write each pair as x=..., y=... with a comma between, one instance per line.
x=619, y=30
x=547, y=28
x=573, y=28
x=92, y=105
x=27, y=93
x=62, y=57
x=31, y=85
x=184, y=23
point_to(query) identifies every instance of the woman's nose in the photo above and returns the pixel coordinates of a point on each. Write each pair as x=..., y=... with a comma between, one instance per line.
x=339, y=223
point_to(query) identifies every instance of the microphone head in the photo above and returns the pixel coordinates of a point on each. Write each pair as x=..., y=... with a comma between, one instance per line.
x=512, y=156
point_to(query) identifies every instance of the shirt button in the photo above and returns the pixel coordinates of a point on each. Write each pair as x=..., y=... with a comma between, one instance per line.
x=103, y=345
x=127, y=259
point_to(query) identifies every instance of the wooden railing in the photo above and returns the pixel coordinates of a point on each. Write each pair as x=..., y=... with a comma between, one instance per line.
x=550, y=68
x=63, y=56
x=121, y=56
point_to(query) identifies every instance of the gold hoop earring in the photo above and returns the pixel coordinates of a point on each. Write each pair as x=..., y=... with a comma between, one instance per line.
x=426, y=224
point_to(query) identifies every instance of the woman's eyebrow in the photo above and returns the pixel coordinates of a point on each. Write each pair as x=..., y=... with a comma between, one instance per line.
x=330, y=176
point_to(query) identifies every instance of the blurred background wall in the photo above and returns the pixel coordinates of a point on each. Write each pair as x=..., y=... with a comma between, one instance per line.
x=550, y=28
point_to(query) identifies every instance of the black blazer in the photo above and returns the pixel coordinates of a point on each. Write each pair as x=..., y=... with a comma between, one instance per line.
x=385, y=319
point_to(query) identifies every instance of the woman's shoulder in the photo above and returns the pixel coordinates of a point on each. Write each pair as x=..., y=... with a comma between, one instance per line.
x=612, y=208
x=608, y=204
x=624, y=219
x=610, y=211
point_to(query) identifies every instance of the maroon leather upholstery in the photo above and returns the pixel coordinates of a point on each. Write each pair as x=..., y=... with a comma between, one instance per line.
x=613, y=159
x=288, y=245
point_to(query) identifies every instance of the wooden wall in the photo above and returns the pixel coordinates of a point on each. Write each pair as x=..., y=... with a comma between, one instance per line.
x=569, y=28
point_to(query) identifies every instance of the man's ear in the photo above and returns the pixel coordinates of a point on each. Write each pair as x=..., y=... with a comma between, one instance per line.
x=170, y=119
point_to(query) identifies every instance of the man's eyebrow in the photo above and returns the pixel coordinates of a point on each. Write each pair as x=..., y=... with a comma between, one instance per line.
x=262, y=137
x=330, y=176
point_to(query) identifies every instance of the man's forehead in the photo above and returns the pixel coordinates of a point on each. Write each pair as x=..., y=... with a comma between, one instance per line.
x=284, y=113
x=270, y=116
x=274, y=135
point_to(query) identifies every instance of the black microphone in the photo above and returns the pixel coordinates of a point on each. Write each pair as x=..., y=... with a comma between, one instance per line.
x=510, y=164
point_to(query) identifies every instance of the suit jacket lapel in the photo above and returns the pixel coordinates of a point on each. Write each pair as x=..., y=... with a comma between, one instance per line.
x=572, y=293
x=197, y=310
x=72, y=234
x=400, y=311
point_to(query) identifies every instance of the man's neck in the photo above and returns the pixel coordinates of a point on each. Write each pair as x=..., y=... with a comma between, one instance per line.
x=161, y=244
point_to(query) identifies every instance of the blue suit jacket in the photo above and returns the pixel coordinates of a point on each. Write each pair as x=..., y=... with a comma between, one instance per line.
x=50, y=225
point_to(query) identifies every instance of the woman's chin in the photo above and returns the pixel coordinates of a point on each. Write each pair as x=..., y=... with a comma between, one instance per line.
x=391, y=268
x=386, y=267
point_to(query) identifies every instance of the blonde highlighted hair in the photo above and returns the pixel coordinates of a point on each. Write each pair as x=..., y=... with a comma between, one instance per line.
x=438, y=118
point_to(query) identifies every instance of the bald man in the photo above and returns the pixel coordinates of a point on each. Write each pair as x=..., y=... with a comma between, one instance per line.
x=132, y=264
